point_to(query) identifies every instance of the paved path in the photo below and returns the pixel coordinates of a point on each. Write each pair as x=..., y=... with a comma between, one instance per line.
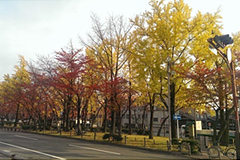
x=204, y=155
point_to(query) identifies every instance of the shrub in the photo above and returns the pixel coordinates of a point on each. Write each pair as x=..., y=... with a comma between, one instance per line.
x=112, y=137
x=28, y=127
x=141, y=132
x=176, y=141
x=195, y=145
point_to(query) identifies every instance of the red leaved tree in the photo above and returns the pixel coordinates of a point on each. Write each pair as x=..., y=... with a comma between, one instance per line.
x=210, y=88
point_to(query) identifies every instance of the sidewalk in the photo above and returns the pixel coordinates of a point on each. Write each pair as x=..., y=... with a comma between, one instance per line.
x=204, y=155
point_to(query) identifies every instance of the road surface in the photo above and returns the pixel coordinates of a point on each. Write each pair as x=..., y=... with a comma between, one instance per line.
x=35, y=146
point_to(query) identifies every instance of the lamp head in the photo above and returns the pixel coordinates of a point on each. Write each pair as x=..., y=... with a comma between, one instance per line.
x=223, y=40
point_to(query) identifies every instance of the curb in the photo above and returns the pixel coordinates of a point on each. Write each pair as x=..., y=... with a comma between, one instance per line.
x=12, y=155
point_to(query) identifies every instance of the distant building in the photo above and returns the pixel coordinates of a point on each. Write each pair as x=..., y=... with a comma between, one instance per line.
x=160, y=113
x=138, y=115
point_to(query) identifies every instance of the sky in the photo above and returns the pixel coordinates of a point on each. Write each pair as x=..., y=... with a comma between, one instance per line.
x=41, y=27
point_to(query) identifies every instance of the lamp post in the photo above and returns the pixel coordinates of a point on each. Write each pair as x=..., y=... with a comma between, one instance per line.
x=169, y=104
x=222, y=41
x=235, y=105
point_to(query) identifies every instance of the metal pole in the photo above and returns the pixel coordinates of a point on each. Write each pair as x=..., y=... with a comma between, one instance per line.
x=177, y=126
x=195, y=124
x=235, y=105
x=234, y=92
x=169, y=107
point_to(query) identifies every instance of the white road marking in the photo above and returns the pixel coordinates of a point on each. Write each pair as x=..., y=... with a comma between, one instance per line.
x=46, y=154
x=6, y=151
x=26, y=137
x=94, y=149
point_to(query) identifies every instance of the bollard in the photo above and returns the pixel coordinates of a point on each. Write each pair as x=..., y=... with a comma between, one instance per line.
x=144, y=141
x=168, y=146
x=125, y=139
x=95, y=134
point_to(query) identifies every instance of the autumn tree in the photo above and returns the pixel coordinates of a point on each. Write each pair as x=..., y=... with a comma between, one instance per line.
x=42, y=72
x=211, y=89
x=207, y=91
x=7, y=99
x=86, y=84
x=70, y=80
x=108, y=44
x=169, y=30
x=13, y=88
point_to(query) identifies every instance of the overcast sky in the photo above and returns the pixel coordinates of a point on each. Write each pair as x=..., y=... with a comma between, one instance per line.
x=40, y=27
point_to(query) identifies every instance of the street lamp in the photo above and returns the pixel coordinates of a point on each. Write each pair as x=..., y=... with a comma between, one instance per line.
x=169, y=104
x=222, y=41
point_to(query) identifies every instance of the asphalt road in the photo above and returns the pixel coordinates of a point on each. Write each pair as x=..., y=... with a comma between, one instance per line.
x=34, y=146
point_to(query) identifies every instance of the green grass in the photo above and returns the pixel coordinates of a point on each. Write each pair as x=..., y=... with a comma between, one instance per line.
x=159, y=143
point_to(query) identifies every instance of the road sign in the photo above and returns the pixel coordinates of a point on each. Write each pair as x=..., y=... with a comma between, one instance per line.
x=176, y=117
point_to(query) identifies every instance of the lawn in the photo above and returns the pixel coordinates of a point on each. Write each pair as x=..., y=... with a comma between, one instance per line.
x=159, y=143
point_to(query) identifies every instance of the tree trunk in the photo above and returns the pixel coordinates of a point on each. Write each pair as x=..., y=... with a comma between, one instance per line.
x=162, y=124
x=113, y=114
x=172, y=109
x=151, y=121
x=105, y=117
x=63, y=116
x=119, y=123
x=45, y=118
x=130, y=115
x=224, y=139
x=113, y=122
x=79, y=128
x=214, y=139
x=16, y=117
x=67, y=119
x=143, y=120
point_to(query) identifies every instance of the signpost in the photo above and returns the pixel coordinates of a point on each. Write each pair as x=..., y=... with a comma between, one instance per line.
x=177, y=117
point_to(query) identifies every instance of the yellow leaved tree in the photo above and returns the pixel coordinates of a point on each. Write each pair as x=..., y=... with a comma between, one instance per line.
x=167, y=36
x=13, y=88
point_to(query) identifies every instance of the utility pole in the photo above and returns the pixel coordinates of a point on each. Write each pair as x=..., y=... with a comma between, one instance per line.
x=169, y=104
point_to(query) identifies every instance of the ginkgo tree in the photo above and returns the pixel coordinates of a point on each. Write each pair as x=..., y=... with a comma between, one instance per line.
x=170, y=30
x=7, y=98
x=12, y=89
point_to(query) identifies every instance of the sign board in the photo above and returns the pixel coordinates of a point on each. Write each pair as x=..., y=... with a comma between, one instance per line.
x=176, y=117
x=198, y=125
